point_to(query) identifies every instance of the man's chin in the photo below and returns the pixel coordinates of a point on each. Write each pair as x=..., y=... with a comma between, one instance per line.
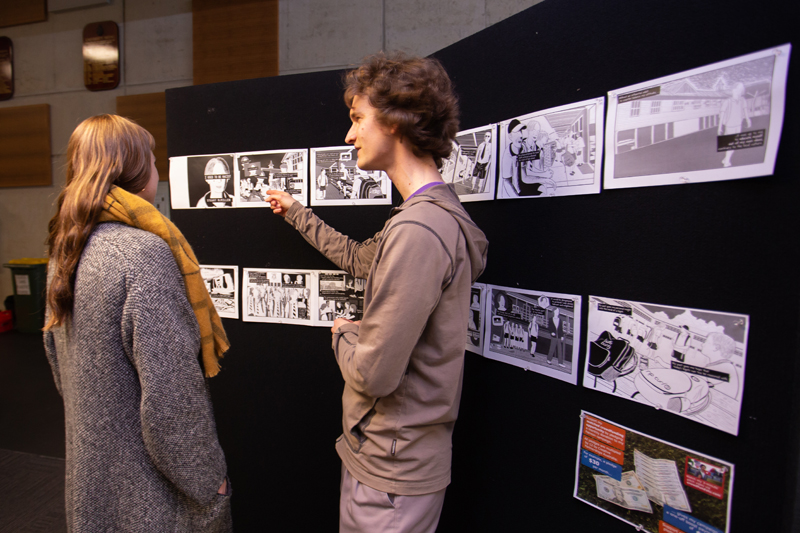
x=364, y=165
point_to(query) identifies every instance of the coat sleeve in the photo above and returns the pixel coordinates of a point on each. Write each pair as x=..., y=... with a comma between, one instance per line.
x=407, y=285
x=161, y=335
x=50, y=341
x=348, y=254
x=52, y=358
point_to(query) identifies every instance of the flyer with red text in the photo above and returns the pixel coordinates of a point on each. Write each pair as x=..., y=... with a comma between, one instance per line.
x=649, y=483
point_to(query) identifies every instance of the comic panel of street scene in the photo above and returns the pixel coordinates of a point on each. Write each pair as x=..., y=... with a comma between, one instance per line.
x=201, y=181
x=555, y=152
x=533, y=330
x=222, y=282
x=258, y=172
x=341, y=295
x=475, y=326
x=689, y=362
x=471, y=165
x=653, y=485
x=718, y=122
x=282, y=296
x=337, y=180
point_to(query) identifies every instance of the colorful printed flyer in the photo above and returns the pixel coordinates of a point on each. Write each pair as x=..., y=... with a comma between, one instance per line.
x=651, y=484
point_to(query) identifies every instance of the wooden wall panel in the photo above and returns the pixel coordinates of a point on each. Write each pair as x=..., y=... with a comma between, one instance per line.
x=150, y=112
x=14, y=12
x=25, y=146
x=234, y=39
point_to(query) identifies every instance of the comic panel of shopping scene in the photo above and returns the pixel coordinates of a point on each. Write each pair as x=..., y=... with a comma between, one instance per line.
x=555, y=152
x=533, y=330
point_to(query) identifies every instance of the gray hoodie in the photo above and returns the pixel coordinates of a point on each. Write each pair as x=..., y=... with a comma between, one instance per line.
x=403, y=365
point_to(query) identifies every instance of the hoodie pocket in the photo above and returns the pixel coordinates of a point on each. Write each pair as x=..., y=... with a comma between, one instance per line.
x=356, y=435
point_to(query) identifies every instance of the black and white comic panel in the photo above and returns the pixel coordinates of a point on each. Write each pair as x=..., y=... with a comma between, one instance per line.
x=718, y=122
x=471, y=165
x=533, y=330
x=222, y=282
x=686, y=361
x=475, y=324
x=340, y=296
x=203, y=181
x=555, y=152
x=282, y=296
x=258, y=172
x=337, y=180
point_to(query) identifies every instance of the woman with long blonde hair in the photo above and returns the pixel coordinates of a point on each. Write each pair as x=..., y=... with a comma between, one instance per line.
x=130, y=331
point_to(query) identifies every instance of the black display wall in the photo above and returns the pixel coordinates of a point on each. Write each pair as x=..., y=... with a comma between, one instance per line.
x=726, y=246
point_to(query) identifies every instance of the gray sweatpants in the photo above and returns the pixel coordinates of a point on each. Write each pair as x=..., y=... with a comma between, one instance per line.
x=363, y=509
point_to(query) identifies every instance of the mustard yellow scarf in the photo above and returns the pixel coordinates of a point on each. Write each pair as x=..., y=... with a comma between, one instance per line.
x=122, y=206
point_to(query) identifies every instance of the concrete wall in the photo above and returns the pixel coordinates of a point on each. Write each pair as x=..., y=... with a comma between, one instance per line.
x=156, y=45
x=332, y=34
x=156, y=54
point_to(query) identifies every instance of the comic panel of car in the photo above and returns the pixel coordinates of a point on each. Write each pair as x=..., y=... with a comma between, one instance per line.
x=689, y=362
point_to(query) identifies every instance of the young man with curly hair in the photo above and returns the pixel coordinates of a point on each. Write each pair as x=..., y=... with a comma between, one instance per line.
x=403, y=363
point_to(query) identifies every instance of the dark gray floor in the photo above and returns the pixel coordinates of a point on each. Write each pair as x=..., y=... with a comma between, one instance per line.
x=31, y=439
x=31, y=493
x=31, y=410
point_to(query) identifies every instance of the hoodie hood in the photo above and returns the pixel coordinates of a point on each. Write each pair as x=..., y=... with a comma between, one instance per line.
x=444, y=196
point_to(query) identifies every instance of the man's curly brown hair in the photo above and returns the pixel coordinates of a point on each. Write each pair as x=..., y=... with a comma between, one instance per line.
x=413, y=93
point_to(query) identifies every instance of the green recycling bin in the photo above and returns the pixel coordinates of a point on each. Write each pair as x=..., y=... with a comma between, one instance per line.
x=30, y=283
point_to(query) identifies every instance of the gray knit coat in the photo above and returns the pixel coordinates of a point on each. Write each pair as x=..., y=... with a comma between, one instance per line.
x=141, y=442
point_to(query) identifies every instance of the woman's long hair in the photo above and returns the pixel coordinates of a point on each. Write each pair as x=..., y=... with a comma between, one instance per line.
x=104, y=150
